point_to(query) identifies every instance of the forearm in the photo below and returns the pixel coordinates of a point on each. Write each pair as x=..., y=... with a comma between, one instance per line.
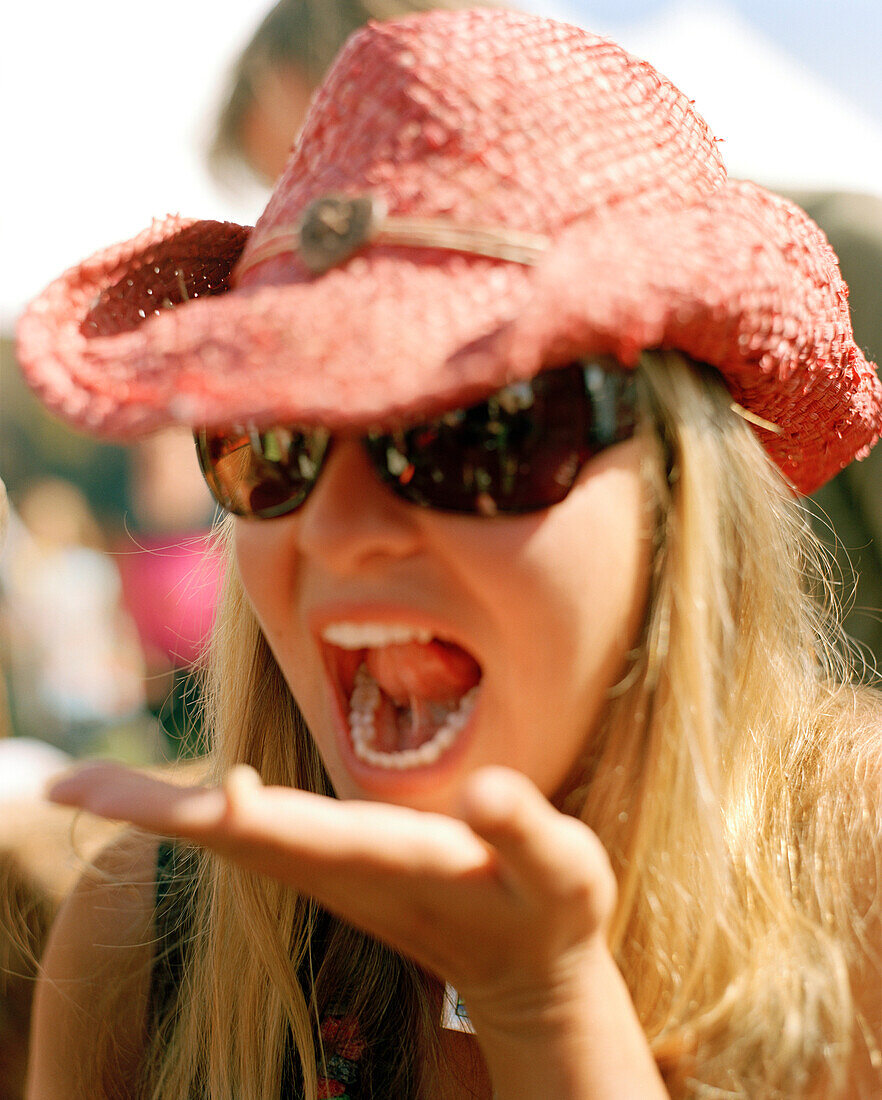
x=589, y=1047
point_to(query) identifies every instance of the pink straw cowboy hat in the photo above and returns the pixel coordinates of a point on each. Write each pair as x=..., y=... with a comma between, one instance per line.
x=476, y=196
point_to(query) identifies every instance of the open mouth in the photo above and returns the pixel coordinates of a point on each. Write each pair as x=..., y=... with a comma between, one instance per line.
x=407, y=694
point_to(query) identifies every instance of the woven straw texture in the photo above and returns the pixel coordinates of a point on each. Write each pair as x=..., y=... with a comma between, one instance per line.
x=488, y=119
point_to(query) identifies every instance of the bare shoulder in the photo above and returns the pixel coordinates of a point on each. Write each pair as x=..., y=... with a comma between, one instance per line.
x=89, y=1007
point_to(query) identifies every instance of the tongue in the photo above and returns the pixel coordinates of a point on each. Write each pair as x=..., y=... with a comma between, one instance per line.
x=418, y=673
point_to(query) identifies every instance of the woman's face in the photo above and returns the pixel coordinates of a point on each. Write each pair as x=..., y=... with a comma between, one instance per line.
x=479, y=641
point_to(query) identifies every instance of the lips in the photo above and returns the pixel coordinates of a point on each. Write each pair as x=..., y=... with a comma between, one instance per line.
x=407, y=694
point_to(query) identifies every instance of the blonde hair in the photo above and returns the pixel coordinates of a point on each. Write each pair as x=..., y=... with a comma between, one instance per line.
x=726, y=781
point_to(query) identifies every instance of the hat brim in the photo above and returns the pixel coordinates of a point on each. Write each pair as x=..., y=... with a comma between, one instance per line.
x=151, y=333
x=745, y=282
x=121, y=348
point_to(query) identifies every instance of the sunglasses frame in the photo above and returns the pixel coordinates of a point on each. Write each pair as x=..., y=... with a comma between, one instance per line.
x=610, y=390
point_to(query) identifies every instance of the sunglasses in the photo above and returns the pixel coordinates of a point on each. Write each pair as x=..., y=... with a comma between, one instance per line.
x=520, y=450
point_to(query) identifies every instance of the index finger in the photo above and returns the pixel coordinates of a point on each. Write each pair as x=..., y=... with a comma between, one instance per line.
x=282, y=823
x=122, y=794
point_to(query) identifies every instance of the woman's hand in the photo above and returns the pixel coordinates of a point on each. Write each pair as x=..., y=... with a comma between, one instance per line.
x=499, y=899
x=509, y=904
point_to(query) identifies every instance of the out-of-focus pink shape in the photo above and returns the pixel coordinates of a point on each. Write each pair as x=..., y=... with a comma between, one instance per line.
x=170, y=586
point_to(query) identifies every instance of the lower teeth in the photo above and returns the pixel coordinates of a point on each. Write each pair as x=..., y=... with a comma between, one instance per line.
x=362, y=708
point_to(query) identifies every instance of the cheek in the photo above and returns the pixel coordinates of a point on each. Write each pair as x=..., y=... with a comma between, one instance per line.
x=595, y=591
x=263, y=558
x=267, y=562
x=571, y=600
x=604, y=561
x=576, y=581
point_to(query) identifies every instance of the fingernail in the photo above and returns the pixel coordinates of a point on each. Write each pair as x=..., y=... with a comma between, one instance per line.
x=57, y=788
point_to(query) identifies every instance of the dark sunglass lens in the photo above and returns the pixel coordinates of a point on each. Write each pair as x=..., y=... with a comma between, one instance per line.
x=264, y=474
x=519, y=451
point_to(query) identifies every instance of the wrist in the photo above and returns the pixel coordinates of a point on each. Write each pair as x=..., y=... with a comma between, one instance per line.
x=577, y=1037
x=535, y=1008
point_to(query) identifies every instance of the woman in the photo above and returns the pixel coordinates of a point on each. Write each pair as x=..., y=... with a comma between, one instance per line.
x=539, y=620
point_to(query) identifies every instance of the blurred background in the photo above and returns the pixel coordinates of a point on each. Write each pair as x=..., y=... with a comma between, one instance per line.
x=116, y=113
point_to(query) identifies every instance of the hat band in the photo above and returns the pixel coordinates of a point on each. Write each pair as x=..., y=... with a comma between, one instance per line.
x=333, y=228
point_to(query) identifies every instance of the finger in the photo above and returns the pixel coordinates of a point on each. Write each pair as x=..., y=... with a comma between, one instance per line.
x=349, y=835
x=277, y=830
x=542, y=853
x=121, y=794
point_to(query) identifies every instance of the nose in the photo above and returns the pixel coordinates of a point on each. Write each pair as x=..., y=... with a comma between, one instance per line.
x=350, y=520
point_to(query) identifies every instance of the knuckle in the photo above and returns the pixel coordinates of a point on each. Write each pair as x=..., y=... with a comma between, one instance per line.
x=587, y=876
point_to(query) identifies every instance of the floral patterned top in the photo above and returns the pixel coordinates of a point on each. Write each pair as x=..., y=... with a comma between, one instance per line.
x=338, y=1076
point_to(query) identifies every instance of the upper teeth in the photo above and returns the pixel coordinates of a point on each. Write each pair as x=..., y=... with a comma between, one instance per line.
x=373, y=635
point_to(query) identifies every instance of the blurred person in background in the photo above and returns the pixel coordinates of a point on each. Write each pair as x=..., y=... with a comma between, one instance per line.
x=150, y=512
x=277, y=72
x=74, y=664
x=90, y=480
x=170, y=573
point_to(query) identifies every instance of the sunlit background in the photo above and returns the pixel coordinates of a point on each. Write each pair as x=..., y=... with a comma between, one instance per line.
x=107, y=106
